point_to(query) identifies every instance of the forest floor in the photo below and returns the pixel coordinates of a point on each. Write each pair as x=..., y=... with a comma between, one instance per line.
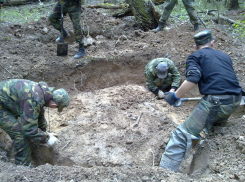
x=114, y=129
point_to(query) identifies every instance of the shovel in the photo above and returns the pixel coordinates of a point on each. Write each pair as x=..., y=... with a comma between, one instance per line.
x=62, y=47
x=179, y=101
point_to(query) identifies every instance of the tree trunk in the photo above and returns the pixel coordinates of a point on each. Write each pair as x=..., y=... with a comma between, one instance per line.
x=145, y=13
x=225, y=18
x=105, y=6
x=233, y=4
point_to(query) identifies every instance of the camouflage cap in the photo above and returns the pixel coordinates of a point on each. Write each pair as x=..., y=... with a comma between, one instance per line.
x=203, y=37
x=162, y=70
x=61, y=98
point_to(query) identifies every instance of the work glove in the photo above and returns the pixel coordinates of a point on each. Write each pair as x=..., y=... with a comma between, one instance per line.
x=170, y=97
x=161, y=94
x=52, y=140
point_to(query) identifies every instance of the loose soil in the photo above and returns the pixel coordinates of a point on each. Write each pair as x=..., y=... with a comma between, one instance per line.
x=114, y=129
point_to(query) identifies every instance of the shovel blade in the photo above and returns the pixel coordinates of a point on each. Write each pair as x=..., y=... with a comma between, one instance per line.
x=200, y=160
x=178, y=103
x=242, y=101
x=62, y=49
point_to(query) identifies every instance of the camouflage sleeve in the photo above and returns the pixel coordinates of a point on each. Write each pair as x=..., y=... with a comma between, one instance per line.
x=29, y=115
x=42, y=123
x=175, y=75
x=82, y=2
x=150, y=81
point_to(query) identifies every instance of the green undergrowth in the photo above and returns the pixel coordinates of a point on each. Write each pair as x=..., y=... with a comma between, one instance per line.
x=239, y=30
x=23, y=14
x=33, y=12
x=180, y=15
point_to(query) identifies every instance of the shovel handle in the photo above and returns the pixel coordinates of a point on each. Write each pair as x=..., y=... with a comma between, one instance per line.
x=190, y=99
x=179, y=101
x=62, y=2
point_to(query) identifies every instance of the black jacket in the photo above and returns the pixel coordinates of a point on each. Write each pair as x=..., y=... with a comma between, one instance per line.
x=212, y=70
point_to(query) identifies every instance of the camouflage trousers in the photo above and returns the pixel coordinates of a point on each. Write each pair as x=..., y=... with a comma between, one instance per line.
x=74, y=12
x=211, y=110
x=12, y=126
x=189, y=6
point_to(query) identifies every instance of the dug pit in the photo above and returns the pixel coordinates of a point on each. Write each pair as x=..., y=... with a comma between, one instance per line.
x=112, y=119
x=114, y=129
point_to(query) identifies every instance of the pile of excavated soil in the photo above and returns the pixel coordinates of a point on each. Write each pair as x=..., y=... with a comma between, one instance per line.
x=114, y=129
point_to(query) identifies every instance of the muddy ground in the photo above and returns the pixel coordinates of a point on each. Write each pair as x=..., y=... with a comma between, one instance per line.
x=114, y=129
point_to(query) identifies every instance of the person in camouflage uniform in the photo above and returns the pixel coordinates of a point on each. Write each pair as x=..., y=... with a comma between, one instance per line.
x=73, y=8
x=212, y=70
x=22, y=114
x=189, y=6
x=161, y=74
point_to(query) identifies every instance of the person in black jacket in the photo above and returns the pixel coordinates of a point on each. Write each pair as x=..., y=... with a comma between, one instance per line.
x=212, y=70
x=73, y=8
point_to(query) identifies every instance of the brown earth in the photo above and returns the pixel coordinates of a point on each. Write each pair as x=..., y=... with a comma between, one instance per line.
x=114, y=129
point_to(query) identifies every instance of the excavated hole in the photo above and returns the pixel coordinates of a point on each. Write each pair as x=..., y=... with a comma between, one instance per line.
x=99, y=127
x=112, y=119
x=85, y=80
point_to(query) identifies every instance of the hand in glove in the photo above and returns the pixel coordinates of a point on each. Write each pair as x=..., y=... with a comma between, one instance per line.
x=161, y=94
x=170, y=97
x=52, y=140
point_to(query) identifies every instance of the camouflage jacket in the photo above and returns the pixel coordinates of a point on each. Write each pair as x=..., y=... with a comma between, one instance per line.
x=26, y=99
x=152, y=81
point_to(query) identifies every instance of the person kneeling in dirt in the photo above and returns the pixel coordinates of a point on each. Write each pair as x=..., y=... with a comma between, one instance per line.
x=213, y=72
x=22, y=114
x=161, y=75
x=73, y=8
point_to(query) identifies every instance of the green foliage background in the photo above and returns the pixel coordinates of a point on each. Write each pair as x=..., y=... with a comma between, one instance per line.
x=32, y=12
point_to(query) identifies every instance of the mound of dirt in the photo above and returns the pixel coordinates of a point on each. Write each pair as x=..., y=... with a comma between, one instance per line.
x=114, y=129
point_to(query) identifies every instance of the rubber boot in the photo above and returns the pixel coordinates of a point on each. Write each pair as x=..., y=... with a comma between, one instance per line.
x=81, y=52
x=196, y=27
x=65, y=33
x=170, y=164
x=160, y=27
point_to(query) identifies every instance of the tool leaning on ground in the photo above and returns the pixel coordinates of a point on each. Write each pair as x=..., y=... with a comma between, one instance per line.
x=62, y=47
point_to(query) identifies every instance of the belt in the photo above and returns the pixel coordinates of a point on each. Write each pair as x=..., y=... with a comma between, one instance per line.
x=224, y=99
